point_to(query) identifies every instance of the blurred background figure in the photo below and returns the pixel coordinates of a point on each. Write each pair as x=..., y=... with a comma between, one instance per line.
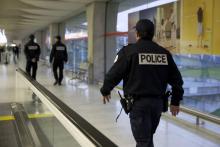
x=32, y=53
x=15, y=50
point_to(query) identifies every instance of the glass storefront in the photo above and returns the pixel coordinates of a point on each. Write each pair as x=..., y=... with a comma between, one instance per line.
x=188, y=29
x=76, y=39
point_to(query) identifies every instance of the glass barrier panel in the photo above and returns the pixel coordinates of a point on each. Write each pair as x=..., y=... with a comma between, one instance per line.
x=48, y=128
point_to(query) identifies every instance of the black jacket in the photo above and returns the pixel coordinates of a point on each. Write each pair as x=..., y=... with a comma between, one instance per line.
x=16, y=50
x=58, y=53
x=32, y=50
x=146, y=68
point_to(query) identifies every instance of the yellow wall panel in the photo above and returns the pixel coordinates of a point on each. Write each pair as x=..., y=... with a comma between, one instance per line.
x=216, y=27
x=189, y=26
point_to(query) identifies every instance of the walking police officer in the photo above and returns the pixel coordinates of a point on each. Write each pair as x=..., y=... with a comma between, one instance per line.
x=146, y=68
x=32, y=53
x=58, y=56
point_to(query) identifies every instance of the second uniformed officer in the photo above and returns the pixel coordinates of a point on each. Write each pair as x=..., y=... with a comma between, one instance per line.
x=58, y=56
x=32, y=53
x=146, y=69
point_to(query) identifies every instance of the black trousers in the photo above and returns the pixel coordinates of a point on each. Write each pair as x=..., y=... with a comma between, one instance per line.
x=31, y=65
x=17, y=54
x=144, y=118
x=59, y=65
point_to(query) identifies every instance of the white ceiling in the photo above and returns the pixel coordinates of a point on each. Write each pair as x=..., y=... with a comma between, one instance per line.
x=22, y=17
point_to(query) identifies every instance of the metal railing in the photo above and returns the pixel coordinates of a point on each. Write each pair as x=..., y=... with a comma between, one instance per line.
x=200, y=115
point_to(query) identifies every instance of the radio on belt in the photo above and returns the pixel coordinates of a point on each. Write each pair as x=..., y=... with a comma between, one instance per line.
x=152, y=59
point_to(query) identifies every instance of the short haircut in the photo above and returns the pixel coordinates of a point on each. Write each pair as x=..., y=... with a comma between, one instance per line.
x=58, y=37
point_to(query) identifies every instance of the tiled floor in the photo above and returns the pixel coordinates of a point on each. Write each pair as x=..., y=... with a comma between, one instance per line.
x=86, y=100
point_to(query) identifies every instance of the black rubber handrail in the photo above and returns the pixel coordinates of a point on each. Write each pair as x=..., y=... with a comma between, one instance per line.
x=94, y=135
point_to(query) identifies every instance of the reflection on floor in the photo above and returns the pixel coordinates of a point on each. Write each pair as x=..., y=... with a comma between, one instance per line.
x=86, y=100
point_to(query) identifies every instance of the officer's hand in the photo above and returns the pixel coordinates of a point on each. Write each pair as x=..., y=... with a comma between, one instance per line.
x=106, y=98
x=174, y=110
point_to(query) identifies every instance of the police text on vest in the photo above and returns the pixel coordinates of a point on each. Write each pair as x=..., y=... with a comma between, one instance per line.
x=32, y=47
x=60, y=48
x=152, y=59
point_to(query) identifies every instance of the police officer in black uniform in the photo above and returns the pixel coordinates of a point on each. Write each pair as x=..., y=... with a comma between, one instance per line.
x=58, y=56
x=32, y=53
x=146, y=69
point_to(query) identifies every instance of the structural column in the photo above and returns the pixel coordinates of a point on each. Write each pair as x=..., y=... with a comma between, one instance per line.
x=39, y=39
x=62, y=31
x=102, y=19
x=111, y=28
x=54, y=31
x=38, y=36
x=96, y=29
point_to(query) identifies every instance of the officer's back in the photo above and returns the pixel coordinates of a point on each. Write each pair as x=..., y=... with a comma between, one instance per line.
x=149, y=69
x=32, y=50
x=59, y=52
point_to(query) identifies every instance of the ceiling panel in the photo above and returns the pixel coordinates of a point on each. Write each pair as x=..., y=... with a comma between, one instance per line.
x=54, y=5
x=20, y=17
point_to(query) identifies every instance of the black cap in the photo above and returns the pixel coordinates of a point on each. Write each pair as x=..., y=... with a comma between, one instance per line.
x=145, y=26
x=32, y=37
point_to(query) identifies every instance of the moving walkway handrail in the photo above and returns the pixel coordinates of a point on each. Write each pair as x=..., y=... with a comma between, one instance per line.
x=94, y=136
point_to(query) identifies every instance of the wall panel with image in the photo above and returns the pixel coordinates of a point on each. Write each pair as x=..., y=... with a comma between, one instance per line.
x=166, y=21
x=189, y=29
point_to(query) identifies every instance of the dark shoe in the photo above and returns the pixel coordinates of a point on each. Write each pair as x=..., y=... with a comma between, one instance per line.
x=60, y=83
x=55, y=83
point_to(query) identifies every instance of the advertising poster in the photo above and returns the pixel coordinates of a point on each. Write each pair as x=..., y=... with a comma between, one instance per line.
x=190, y=30
x=167, y=26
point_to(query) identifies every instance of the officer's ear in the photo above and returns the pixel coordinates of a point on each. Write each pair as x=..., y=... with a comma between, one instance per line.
x=137, y=36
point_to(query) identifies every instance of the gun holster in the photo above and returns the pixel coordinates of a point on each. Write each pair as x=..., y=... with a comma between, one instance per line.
x=165, y=98
x=126, y=103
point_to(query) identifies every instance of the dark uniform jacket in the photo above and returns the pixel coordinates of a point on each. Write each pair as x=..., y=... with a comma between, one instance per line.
x=15, y=50
x=146, y=68
x=58, y=53
x=32, y=50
